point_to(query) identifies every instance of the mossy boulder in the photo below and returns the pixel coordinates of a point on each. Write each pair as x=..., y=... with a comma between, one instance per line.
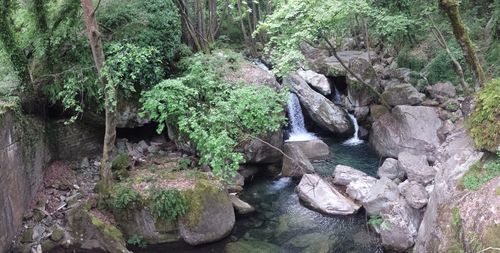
x=90, y=232
x=210, y=216
x=154, y=231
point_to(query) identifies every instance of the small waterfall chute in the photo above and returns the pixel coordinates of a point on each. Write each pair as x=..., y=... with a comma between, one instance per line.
x=337, y=99
x=354, y=140
x=298, y=131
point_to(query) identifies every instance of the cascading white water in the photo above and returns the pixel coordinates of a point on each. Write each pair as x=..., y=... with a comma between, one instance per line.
x=353, y=141
x=298, y=131
x=336, y=97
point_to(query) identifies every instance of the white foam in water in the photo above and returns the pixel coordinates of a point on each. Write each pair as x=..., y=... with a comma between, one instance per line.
x=280, y=184
x=353, y=141
x=298, y=131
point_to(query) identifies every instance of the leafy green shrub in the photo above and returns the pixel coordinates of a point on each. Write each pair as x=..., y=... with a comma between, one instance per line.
x=477, y=176
x=406, y=59
x=214, y=114
x=184, y=163
x=168, y=204
x=137, y=240
x=124, y=197
x=121, y=162
x=484, y=123
x=130, y=67
x=145, y=23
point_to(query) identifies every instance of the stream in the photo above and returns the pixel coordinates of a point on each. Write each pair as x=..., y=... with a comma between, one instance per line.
x=282, y=221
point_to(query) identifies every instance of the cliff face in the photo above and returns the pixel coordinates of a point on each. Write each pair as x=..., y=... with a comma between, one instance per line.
x=24, y=152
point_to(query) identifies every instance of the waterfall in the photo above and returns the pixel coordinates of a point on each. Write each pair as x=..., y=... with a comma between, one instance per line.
x=257, y=62
x=353, y=141
x=336, y=97
x=298, y=130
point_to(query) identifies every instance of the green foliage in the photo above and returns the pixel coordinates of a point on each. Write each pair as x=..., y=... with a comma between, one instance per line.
x=145, y=23
x=478, y=175
x=214, y=114
x=295, y=22
x=168, y=204
x=406, y=59
x=484, y=123
x=124, y=198
x=375, y=220
x=129, y=68
x=121, y=162
x=137, y=241
x=184, y=163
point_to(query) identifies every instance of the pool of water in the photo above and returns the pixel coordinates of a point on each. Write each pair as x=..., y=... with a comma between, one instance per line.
x=282, y=223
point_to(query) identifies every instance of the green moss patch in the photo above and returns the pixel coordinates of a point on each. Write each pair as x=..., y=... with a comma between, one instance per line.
x=478, y=175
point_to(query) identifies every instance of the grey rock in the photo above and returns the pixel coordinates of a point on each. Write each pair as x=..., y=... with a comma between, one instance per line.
x=317, y=81
x=361, y=113
x=241, y=206
x=320, y=196
x=400, y=225
x=414, y=193
x=257, y=152
x=216, y=219
x=454, y=157
x=312, y=149
x=343, y=175
x=359, y=189
x=321, y=110
x=402, y=94
x=383, y=192
x=298, y=165
x=406, y=128
x=416, y=167
x=390, y=169
x=443, y=89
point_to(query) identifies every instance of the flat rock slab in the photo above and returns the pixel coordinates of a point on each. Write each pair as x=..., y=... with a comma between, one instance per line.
x=322, y=197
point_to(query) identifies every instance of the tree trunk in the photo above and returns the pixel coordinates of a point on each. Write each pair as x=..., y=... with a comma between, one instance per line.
x=462, y=36
x=94, y=37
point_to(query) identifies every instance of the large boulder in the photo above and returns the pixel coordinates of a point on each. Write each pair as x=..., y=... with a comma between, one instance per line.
x=312, y=149
x=359, y=189
x=390, y=169
x=214, y=217
x=250, y=74
x=402, y=94
x=416, y=167
x=400, y=226
x=343, y=175
x=442, y=91
x=383, y=192
x=93, y=234
x=321, y=196
x=295, y=163
x=320, y=61
x=322, y=111
x=358, y=93
x=406, y=128
x=480, y=215
x=414, y=193
x=445, y=211
x=318, y=81
x=153, y=231
x=258, y=152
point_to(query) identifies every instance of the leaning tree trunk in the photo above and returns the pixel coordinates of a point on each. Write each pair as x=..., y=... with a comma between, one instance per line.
x=462, y=36
x=94, y=37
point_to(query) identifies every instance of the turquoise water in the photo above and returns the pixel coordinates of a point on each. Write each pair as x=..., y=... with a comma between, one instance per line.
x=282, y=223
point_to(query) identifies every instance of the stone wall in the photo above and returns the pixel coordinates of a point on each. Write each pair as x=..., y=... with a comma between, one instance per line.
x=74, y=141
x=24, y=152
